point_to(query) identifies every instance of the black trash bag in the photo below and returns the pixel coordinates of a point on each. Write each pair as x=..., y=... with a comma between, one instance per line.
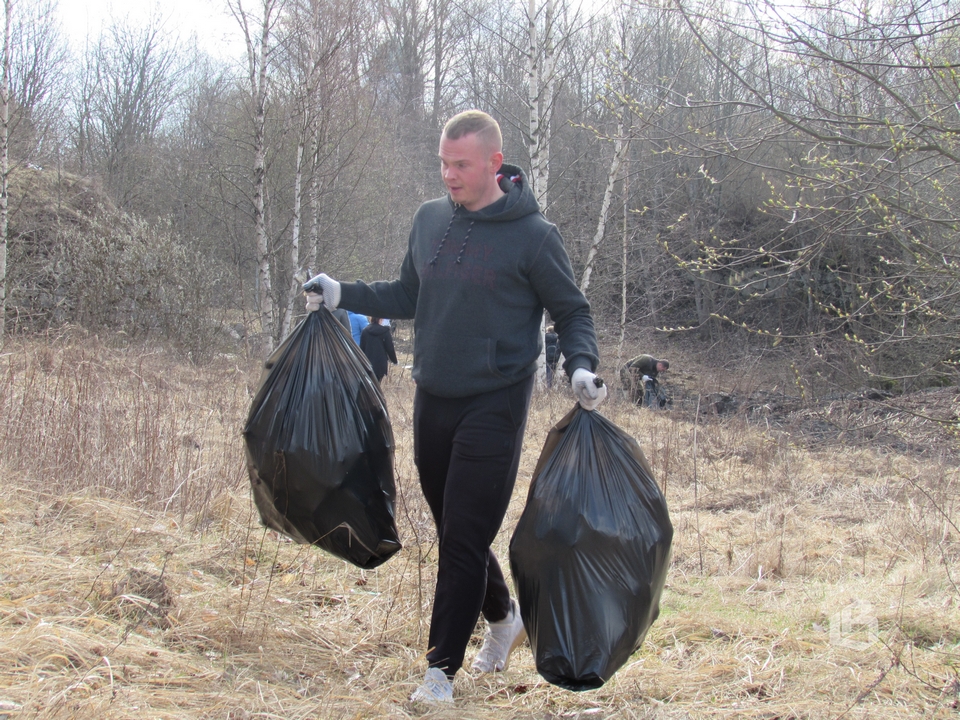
x=320, y=446
x=590, y=552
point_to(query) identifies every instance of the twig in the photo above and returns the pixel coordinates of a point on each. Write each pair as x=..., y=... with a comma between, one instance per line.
x=696, y=494
x=108, y=565
x=894, y=662
x=933, y=502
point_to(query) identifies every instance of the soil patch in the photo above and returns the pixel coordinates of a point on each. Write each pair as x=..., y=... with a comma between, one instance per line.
x=924, y=424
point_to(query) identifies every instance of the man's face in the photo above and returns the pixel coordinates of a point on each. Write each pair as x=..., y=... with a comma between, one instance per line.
x=469, y=169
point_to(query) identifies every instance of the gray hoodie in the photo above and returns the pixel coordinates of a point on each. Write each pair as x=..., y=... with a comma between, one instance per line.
x=476, y=284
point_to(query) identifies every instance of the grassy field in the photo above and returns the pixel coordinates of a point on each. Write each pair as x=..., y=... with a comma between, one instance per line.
x=809, y=580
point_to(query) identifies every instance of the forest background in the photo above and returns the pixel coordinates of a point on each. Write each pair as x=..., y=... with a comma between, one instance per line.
x=764, y=193
x=741, y=171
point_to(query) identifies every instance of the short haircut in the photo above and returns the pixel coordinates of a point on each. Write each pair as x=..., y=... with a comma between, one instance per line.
x=476, y=122
x=666, y=365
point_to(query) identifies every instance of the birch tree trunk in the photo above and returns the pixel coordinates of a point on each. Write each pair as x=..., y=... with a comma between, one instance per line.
x=624, y=255
x=258, y=54
x=295, y=273
x=4, y=163
x=313, y=246
x=541, y=82
x=311, y=134
x=441, y=11
x=620, y=148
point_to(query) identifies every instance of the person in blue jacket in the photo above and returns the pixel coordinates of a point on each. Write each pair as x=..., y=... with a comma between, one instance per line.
x=482, y=264
x=357, y=324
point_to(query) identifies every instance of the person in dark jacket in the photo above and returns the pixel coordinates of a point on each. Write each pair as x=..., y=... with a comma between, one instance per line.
x=639, y=377
x=551, y=353
x=377, y=344
x=482, y=265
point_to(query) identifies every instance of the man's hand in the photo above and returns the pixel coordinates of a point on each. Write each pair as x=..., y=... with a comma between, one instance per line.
x=322, y=290
x=587, y=388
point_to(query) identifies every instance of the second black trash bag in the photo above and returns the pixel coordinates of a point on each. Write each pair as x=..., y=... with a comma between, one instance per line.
x=320, y=446
x=590, y=552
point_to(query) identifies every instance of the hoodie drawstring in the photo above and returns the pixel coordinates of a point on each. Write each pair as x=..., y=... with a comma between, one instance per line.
x=447, y=234
x=464, y=246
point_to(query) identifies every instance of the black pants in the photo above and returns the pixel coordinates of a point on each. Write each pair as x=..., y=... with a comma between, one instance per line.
x=467, y=451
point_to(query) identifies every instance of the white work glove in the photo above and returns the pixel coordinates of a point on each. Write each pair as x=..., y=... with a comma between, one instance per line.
x=322, y=290
x=586, y=390
x=645, y=379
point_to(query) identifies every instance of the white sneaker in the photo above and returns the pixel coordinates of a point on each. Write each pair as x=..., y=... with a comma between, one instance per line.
x=436, y=688
x=501, y=639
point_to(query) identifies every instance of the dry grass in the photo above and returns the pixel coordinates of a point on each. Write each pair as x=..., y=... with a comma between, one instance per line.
x=135, y=580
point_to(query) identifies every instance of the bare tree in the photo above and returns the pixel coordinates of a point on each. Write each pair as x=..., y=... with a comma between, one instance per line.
x=406, y=27
x=628, y=161
x=37, y=80
x=34, y=54
x=125, y=101
x=621, y=146
x=321, y=85
x=80, y=123
x=867, y=203
x=4, y=162
x=541, y=83
x=441, y=12
x=257, y=31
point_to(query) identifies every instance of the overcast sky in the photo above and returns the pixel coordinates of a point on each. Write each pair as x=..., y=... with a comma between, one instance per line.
x=216, y=30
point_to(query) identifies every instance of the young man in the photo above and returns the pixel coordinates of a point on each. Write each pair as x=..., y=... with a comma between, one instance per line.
x=481, y=266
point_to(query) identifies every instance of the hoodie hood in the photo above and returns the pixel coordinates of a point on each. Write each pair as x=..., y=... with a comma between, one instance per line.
x=376, y=329
x=517, y=202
